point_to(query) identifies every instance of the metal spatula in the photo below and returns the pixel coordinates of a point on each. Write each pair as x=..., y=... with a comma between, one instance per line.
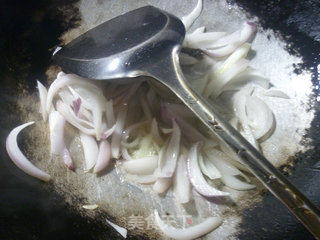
x=147, y=42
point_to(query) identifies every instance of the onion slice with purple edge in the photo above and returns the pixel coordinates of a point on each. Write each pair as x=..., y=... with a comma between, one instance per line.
x=196, y=178
x=171, y=153
x=43, y=99
x=62, y=81
x=181, y=183
x=188, y=131
x=19, y=159
x=190, y=233
x=90, y=149
x=65, y=111
x=104, y=156
x=191, y=17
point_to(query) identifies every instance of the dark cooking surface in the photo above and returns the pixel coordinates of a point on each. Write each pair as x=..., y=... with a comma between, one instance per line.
x=29, y=28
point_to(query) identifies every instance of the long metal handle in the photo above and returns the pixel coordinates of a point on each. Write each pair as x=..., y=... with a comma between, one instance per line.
x=171, y=75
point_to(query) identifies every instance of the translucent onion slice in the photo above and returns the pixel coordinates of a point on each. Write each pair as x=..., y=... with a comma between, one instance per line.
x=234, y=183
x=162, y=185
x=218, y=81
x=43, y=100
x=276, y=93
x=248, y=76
x=56, y=126
x=66, y=157
x=191, y=17
x=202, y=40
x=228, y=172
x=64, y=110
x=181, y=183
x=123, y=232
x=196, y=178
x=116, y=136
x=62, y=81
x=155, y=132
x=110, y=113
x=145, y=179
x=193, y=232
x=192, y=134
x=208, y=168
x=229, y=43
x=171, y=154
x=19, y=159
x=90, y=149
x=104, y=156
x=260, y=117
x=142, y=166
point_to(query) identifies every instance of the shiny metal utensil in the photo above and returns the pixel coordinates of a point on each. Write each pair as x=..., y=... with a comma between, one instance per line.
x=147, y=42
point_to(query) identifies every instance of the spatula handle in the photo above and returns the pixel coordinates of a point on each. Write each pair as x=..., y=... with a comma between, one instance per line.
x=171, y=75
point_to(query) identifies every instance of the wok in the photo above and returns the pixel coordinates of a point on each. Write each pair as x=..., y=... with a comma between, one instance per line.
x=30, y=30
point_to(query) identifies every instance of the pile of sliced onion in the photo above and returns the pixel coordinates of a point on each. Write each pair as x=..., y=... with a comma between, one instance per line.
x=159, y=141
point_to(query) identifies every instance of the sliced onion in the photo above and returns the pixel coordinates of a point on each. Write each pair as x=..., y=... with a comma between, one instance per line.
x=76, y=105
x=191, y=17
x=143, y=166
x=116, y=136
x=63, y=109
x=171, y=154
x=228, y=172
x=181, y=184
x=162, y=185
x=123, y=232
x=110, y=113
x=19, y=159
x=276, y=93
x=260, y=117
x=235, y=183
x=66, y=157
x=217, y=82
x=90, y=149
x=196, y=178
x=90, y=207
x=209, y=169
x=188, y=131
x=107, y=133
x=145, y=179
x=56, y=125
x=155, y=132
x=43, y=99
x=104, y=156
x=93, y=99
x=234, y=40
x=62, y=81
x=202, y=40
x=193, y=232
x=249, y=75
x=83, y=116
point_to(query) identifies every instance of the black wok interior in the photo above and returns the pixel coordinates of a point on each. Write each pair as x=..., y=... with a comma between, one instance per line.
x=29, y=32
